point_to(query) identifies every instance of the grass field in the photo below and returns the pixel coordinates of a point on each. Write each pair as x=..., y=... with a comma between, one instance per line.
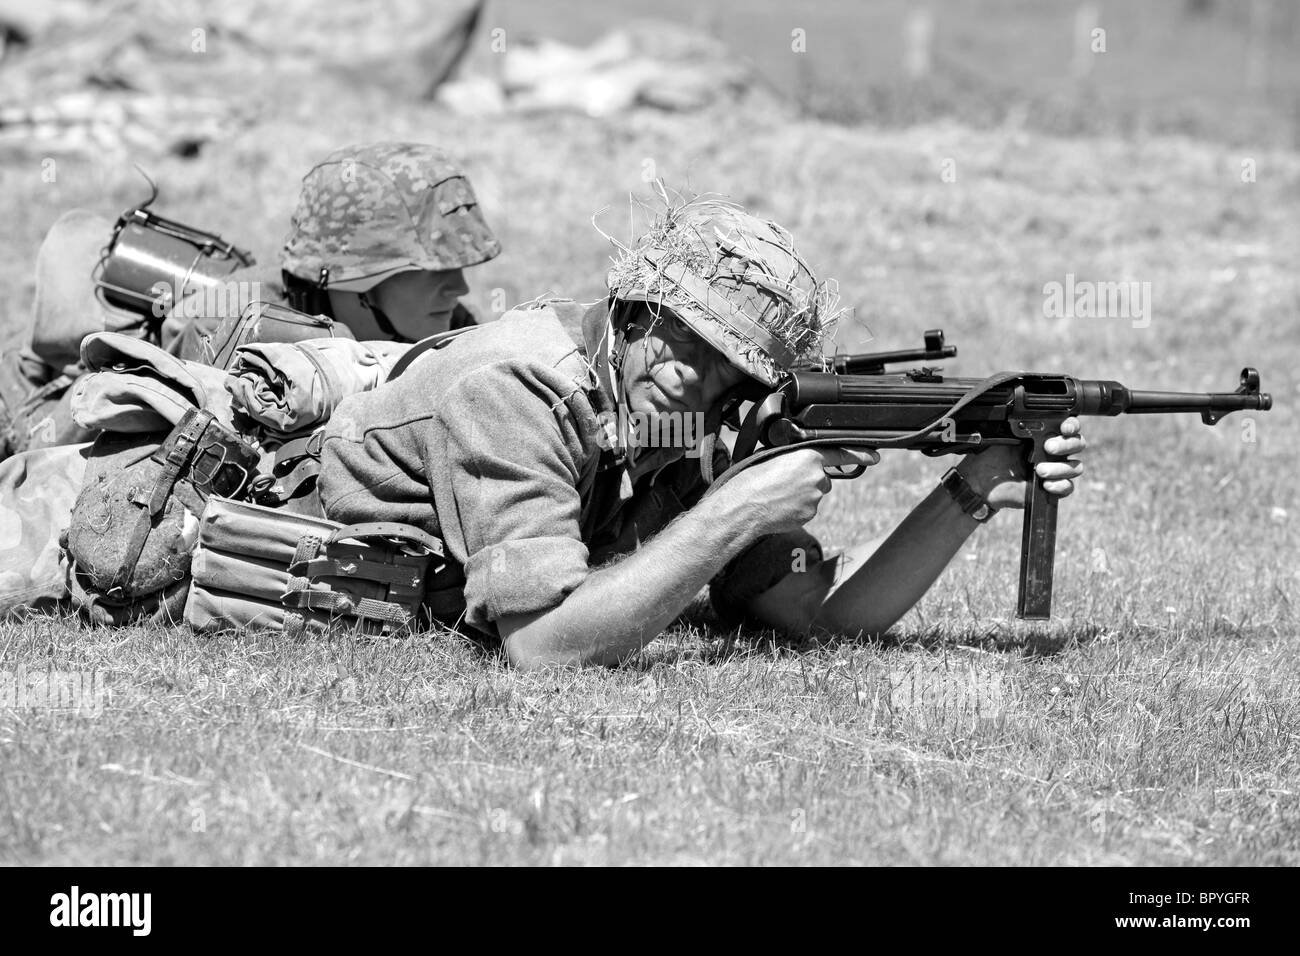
x=1155, y=721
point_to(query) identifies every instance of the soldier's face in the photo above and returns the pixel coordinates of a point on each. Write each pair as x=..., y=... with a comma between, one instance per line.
x=420, y=303
x=668, y=368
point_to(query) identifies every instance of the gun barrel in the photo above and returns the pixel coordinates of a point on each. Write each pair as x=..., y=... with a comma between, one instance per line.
x=1158, y=403
x=1211, y=405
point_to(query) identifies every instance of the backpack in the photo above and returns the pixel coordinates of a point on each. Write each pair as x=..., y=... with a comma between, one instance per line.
x=174, y=525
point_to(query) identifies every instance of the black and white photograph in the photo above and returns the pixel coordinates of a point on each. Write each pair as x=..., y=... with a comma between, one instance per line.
x=547, y=433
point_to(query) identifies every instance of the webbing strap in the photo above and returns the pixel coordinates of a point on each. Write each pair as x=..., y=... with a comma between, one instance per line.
x=281, y=488
x=51, y=389
x=376, y=571
x=337, y=603
x=424, y=345
x=294, y=622
x=311, y=561
x=330, y=383
x=383, y=321
x=389, y=529
x=332, y=602
x=297, y=465
x=177, y=450
x=707, y=446
x=374, y=610
x=298, y=447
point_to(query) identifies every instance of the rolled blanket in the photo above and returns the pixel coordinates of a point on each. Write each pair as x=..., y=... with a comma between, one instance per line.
x=292, y=387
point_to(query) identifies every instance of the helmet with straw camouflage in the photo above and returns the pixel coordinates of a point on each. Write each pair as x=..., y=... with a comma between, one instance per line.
x=371, y=211
x=736, y=280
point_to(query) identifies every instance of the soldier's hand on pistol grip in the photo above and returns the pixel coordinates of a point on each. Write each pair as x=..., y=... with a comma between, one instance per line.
x=998, y=474
x=783, y=493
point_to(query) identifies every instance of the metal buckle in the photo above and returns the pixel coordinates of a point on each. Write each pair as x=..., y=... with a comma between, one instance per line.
x=216, y=474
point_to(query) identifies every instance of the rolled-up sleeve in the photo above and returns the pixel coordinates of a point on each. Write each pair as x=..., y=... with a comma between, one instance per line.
x=503, y=458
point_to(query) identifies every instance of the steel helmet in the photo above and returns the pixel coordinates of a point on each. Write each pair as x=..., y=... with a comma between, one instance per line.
x=370, y=211
x=736, y=280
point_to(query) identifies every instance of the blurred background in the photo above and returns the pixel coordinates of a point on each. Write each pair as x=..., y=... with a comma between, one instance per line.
x=1224, y=69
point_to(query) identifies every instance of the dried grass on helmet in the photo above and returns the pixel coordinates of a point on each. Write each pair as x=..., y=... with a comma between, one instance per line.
x=808, y=312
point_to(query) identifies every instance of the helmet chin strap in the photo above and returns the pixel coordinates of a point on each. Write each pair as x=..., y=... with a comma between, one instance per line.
x=616, y=350
x=616, y=335
x=616, y=354
x=381, y=319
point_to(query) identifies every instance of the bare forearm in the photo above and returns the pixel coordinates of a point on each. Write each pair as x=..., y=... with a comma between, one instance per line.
x=617, y=610
x=888, y=580
x=878, y=585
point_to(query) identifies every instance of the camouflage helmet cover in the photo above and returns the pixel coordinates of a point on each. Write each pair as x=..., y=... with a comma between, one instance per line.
x=736, y=280
x=371, y=211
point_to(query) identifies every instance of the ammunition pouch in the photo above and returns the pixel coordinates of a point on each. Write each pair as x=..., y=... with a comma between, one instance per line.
x=372, y=572
x=262, y=567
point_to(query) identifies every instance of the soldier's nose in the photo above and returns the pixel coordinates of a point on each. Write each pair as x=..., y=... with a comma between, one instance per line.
x=454, y=284
x=689, y=375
